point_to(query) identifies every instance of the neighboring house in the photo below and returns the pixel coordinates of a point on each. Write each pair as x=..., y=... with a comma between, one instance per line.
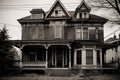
x=112, y=52
x=61, y=39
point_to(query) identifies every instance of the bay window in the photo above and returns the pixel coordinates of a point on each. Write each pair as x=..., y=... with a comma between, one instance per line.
x=89, y=57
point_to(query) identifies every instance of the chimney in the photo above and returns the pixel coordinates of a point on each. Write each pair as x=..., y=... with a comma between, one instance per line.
x=119, y=35
x=114, y=36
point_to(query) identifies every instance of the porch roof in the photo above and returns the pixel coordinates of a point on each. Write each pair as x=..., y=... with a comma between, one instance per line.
x=39, y=42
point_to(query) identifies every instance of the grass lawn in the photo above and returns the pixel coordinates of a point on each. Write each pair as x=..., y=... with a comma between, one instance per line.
x=44, y=77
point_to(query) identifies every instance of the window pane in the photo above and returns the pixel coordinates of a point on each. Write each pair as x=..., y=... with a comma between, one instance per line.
x=92, y=34
x=85, y=33
x=58, y=33
x=98, y=57
x=89, y=56
x=79, y=61
x=80, y=15
x=78, y=34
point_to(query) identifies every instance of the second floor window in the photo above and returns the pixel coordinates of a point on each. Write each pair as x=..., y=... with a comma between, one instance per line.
x=88, y=33
x=82, y=33
x=58, y=32
x=85, y=33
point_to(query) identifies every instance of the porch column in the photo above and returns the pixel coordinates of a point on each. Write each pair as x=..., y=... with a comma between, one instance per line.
x=94, y=57
x=46, y=58
x=101, y=63
x=69, y=58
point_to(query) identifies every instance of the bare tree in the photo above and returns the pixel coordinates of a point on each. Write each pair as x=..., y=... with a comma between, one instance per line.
x=115, y=5
x=107, y=3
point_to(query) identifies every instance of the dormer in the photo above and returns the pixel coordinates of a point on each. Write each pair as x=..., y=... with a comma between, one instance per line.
x=82, y=11
x=37, y=14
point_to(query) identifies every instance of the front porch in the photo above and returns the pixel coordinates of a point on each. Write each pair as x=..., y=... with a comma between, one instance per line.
x=38, y=57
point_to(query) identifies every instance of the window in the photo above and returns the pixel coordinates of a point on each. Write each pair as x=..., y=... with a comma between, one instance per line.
x=78, y=33
x=58, y=31
x=89, y=56
x=92, y=33
x=58, y=12
x=96, y=33
x=80, y=15
x=85, y=33
x=83, y=15
x=82, y=33
x=98, y=57
x=79, y=59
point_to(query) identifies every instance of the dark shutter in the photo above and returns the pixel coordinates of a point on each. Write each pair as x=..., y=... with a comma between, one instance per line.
x=100, y=35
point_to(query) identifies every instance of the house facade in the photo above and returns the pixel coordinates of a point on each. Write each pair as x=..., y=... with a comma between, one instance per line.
x=112, y=52
x=61, y=39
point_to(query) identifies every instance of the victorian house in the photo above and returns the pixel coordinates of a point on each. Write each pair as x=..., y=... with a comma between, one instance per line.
x=61, y=39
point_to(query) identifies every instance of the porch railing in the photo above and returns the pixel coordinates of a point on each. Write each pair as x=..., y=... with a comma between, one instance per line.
x=34, y=64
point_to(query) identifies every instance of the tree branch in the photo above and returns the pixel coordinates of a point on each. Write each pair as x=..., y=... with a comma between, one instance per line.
x=111, y=4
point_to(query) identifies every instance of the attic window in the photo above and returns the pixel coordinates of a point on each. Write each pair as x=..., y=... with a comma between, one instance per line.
x=58, y=12
x=83, y=15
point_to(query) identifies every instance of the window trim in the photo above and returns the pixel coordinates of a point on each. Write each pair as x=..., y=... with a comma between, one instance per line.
x=82, y=33
x=89, y=57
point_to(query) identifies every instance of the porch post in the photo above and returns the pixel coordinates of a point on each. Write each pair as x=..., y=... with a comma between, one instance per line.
x=70, y=58
x=46, y=58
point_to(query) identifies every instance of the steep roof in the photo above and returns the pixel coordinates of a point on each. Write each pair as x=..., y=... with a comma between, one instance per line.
x=92, y=16
x=70, y=14
x=84, y=5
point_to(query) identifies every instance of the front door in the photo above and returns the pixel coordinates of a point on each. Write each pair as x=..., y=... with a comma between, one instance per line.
x=59, y=58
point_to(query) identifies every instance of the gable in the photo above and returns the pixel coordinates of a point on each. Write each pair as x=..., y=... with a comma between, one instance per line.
x=83, y=6
x=57, y=10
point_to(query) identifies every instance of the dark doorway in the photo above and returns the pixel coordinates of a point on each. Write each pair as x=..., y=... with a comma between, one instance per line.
x=59, y=55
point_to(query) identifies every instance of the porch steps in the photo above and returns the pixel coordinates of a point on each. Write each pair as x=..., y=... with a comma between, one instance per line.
x=58, y=72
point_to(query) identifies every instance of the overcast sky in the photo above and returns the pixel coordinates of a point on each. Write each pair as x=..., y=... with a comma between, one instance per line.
x=11, y=10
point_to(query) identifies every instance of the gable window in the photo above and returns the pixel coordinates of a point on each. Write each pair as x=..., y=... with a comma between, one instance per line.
x=58, y=31
x=83, y=15
x=58, y=12
x=80, y=15
x=89, y=56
